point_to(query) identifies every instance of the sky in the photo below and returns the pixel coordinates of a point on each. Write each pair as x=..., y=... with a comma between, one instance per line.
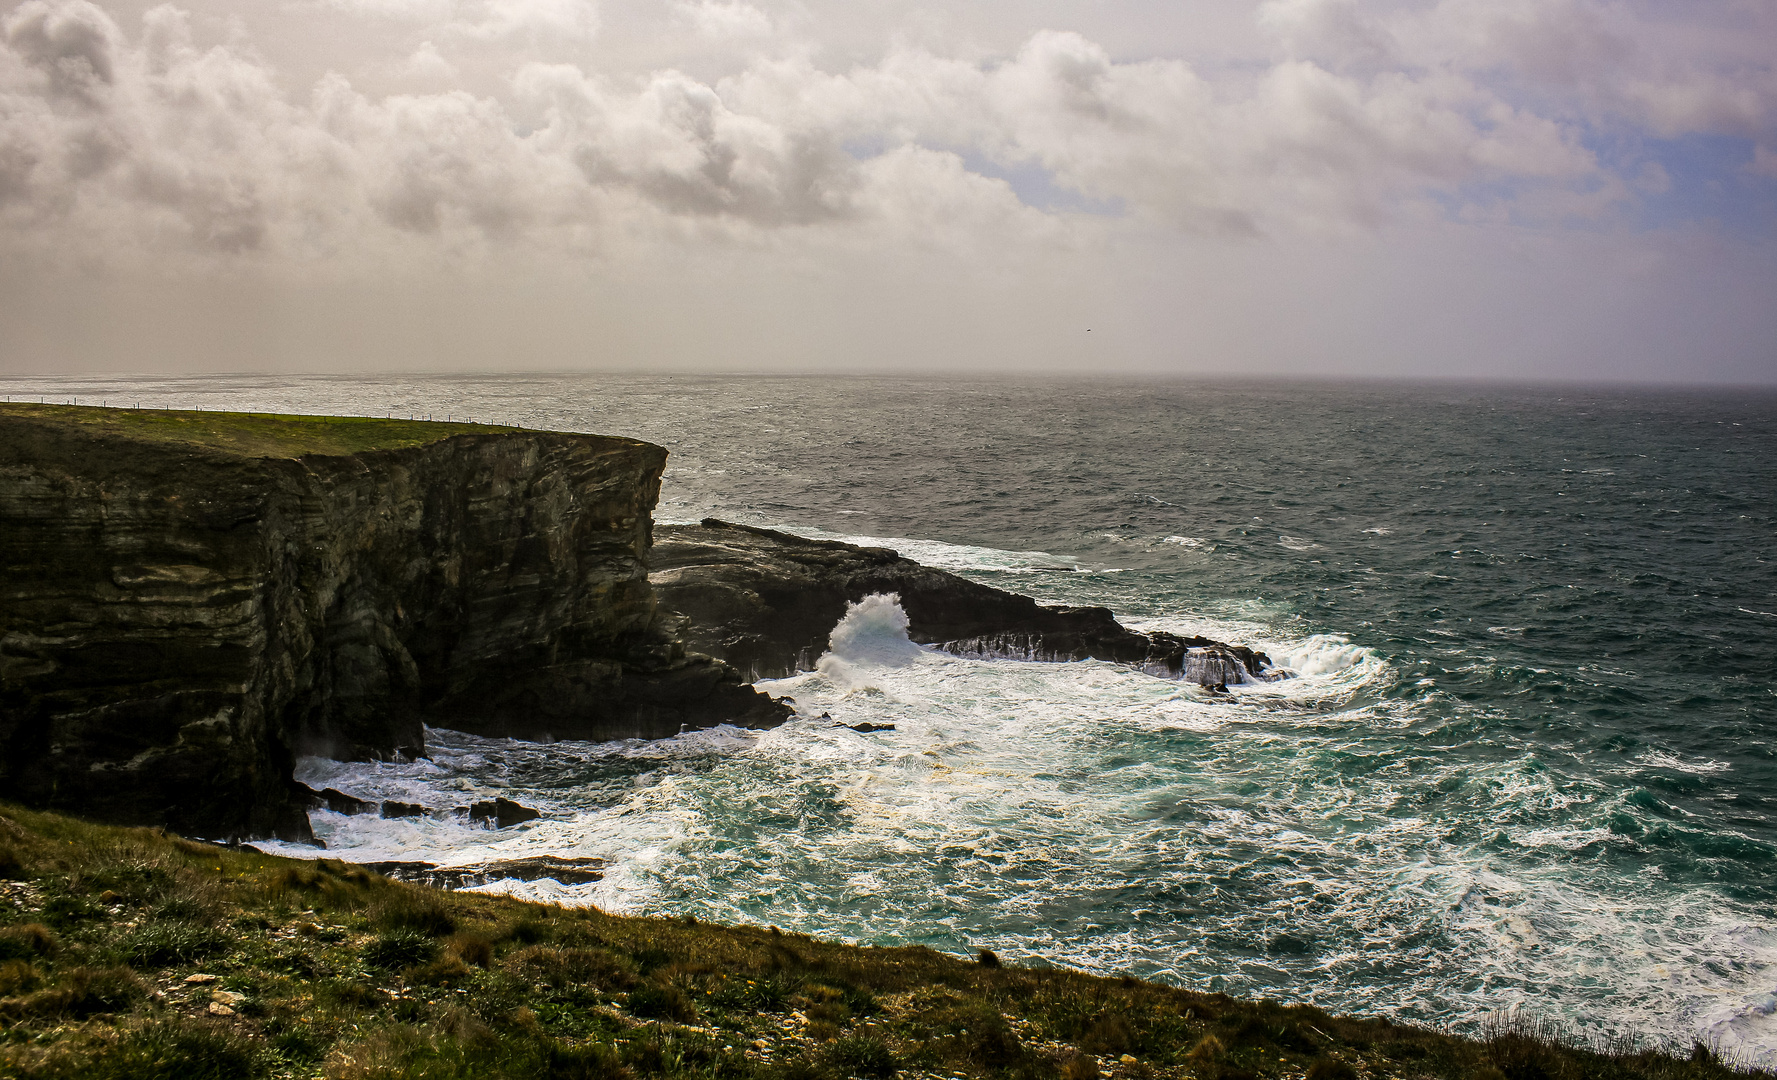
x=1511, y=189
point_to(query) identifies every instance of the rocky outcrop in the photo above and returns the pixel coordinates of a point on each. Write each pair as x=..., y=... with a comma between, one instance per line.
x=188, y=600
x=501, y=813
x=563, y=871
x=766, y=601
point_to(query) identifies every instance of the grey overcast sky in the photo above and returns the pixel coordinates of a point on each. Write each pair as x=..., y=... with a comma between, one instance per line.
x=1564, y=189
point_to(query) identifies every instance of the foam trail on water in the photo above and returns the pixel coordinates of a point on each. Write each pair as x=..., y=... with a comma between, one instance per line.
x=956, y=558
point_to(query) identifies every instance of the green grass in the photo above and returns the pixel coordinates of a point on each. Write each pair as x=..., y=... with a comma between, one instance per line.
x=248, y=435
x=327, y=970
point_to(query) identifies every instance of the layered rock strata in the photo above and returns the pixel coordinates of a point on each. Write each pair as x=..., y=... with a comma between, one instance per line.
x=189, y=600
x=765, y=602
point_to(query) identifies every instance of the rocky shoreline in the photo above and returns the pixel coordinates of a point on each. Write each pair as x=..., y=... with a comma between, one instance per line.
x=188, y=601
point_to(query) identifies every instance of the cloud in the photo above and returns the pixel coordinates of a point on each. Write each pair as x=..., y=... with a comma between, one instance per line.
x=150, y=145
x=71, y=45
x=487, y=20
x=426, y=62
x=1713, y=70
x=725, y=19
x=1334, y=32
x=681, y=148
x=1764, y=162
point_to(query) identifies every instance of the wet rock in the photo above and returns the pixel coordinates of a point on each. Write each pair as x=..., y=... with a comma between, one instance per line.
x=341, y=803
x=766, y=601
x=867, y=727
x=501, y=813
x=393, y=809
x=534, y=868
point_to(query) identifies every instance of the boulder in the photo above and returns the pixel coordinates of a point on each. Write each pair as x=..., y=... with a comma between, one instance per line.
x=341, y=803
x=501, y=813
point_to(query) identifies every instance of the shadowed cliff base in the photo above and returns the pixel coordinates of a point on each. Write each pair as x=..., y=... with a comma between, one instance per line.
x=190, y=599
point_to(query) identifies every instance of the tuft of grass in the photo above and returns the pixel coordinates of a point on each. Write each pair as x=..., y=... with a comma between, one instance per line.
x=175, y=1050
x=1329, y=1068
x=656, y=1002
x=81, y=992
x=163, y=944
x=17, y=977
x=138, y=878
x=29, y=941
x=66, y=912
x=862, y=1055
x=400, y=949
x=472, y=949
x=559, y=968
x=416, y=910
x=1080, y=1067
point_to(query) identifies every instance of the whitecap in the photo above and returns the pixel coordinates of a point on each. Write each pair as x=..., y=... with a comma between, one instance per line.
x=1659, y=759
x=1324, y=654
x=946, y=556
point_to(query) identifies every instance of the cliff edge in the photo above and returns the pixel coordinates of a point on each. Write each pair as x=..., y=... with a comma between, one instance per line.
x=189, y=599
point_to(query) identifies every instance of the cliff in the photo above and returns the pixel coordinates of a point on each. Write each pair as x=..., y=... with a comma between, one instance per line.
x=188, y=600
x=765, y=602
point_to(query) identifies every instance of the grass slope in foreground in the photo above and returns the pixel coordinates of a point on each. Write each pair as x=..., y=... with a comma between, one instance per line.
x=247, y=435
x=128, y=953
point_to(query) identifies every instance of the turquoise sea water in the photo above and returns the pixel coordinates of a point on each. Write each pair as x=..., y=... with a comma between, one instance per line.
x=1531, y=760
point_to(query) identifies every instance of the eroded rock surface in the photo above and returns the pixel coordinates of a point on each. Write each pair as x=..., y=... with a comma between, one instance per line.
x=766, y=601
x=181, y=615
x=566, y=871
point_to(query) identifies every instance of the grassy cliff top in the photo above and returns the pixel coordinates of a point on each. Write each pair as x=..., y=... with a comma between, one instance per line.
x=128, y=953
x=250, y=435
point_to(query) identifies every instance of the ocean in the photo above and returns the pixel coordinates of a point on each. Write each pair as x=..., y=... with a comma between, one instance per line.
x=1530, y=760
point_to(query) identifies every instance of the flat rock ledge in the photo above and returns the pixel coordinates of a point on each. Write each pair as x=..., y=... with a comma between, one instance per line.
x=531, y=868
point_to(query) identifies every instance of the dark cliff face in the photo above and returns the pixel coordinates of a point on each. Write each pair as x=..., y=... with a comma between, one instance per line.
x=766, y=602
x=179, y=620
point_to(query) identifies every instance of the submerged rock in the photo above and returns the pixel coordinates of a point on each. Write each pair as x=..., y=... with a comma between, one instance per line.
x=341, y=803
x=501, y=813
x=766, y=602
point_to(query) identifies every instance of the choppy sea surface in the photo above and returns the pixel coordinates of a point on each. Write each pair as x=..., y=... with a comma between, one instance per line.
x=1531, y=760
